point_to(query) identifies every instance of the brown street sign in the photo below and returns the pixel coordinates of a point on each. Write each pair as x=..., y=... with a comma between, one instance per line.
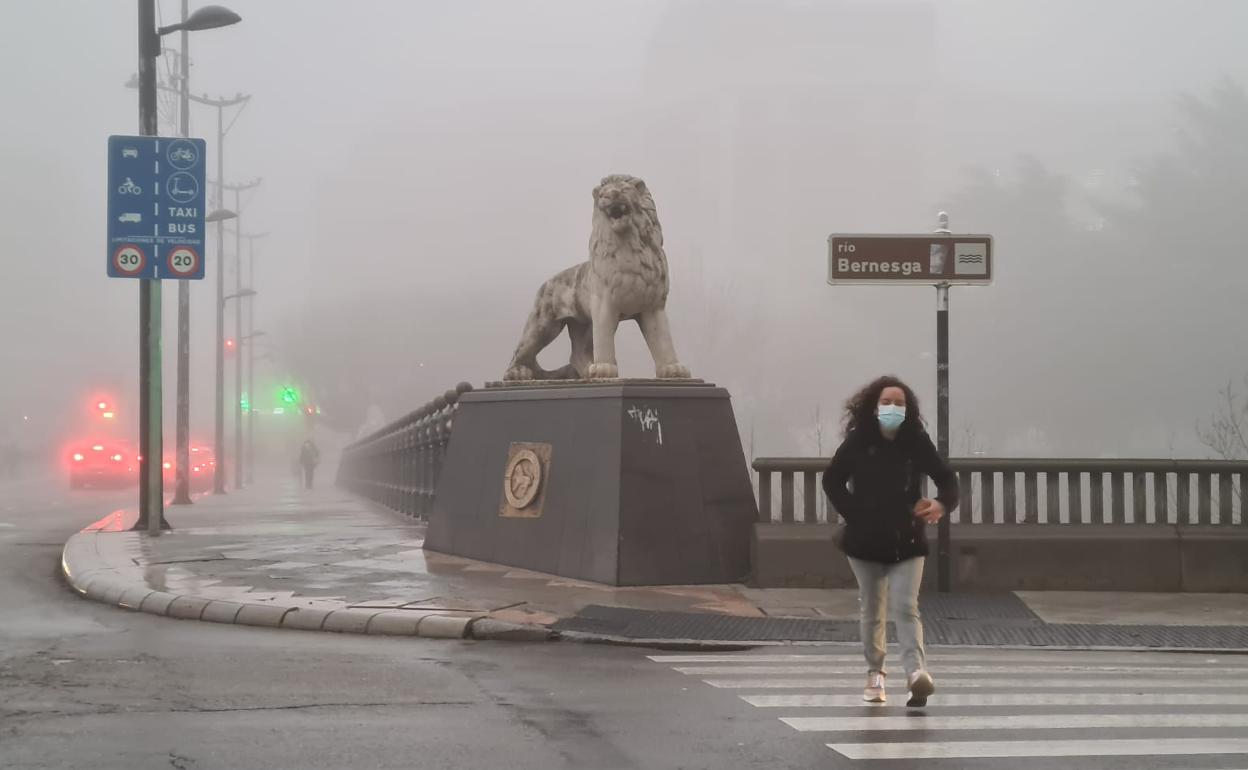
x=927, y=259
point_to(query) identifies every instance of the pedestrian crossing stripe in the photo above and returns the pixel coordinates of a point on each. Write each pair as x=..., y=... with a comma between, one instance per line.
x=1004, y=749
x=946, y=670
x=1134, y=684
x=1013, y=722
x=944, y=656
x=990, y=699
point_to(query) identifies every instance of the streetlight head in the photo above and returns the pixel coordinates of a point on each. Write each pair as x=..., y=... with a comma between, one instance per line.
x=211, y=17
x=246, y=292
x=220, y=215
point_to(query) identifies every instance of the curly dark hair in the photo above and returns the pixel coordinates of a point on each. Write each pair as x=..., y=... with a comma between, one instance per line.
x=860, y=408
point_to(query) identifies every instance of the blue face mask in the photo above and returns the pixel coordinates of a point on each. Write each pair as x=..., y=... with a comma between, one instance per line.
x=891, y=416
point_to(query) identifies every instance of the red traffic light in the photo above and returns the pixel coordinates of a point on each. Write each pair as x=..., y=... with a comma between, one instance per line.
x=229, y=344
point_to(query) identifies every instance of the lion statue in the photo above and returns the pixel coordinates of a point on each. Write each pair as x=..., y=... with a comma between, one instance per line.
x=624, y=279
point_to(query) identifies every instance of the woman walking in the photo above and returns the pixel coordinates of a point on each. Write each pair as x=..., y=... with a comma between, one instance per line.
x=875, y=483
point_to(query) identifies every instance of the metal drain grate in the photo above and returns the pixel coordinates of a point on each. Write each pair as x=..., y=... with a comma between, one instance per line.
x=977, y=607
x=628, y=623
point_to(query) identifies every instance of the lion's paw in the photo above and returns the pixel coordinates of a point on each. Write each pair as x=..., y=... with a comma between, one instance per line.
x=518, y=373
x=603, y=371
x=673, y=372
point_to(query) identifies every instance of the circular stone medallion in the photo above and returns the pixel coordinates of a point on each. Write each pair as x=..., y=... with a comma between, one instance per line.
x=523, y=479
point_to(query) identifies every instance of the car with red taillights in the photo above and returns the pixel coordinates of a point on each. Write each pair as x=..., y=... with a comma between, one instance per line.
x=203, y=465
x=102, y=464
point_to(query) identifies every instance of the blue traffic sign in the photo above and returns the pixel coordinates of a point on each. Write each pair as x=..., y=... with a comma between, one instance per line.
x=155, y=207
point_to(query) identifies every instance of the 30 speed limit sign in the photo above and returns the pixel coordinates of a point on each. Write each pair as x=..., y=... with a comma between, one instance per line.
x=129, y=260
x=183, y=262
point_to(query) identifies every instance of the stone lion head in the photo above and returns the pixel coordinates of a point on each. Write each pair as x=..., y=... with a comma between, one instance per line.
x=624, y=206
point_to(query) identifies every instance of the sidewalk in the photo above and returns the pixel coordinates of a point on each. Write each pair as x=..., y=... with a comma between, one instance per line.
x=325, y=560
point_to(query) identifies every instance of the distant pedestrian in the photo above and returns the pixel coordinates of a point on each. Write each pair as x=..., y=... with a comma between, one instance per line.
x=875, y=483
x=309, y=456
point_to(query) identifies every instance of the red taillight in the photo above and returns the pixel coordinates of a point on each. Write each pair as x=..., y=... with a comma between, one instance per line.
x=168, y=466
x=78, y=457
x=98, y=448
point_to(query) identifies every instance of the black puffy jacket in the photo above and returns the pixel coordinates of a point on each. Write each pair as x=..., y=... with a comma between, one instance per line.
x=874, y=483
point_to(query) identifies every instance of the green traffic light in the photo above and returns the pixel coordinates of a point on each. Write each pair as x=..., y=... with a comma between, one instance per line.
x=288, y=395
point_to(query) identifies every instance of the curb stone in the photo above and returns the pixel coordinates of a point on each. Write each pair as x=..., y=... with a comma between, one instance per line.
x=264, y=615
x=219, y=611
x=395, y=623
x=305, y=619
x=489, y=628
x=443, y=627
x=349, y=621
x=157, y=603
x=132, y=598
x=90, y=574
x=188, y=608
x=106, y=588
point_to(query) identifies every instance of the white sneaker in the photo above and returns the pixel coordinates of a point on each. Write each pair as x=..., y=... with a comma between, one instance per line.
x=874, y=691
x=921, y=687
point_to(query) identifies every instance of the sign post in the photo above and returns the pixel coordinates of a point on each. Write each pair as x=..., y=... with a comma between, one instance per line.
x=155, y=231
x=939, y=259
x=943, y=534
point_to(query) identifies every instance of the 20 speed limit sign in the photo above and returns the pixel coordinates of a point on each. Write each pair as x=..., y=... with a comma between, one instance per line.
x=129, y=260
x=183, y=262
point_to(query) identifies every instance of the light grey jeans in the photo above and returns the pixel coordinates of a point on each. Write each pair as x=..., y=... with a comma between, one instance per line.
x=891, y=588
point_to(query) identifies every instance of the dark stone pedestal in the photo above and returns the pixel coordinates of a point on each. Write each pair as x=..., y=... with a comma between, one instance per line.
x=645, y=483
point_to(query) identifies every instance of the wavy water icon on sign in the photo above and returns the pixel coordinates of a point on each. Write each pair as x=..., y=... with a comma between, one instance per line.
x=970, y=259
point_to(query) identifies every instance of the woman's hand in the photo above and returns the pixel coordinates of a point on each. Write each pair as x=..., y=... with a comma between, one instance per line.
x=929, y=510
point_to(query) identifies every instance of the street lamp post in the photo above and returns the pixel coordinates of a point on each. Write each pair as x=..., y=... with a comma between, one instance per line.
x=251, y=362
x=218, y=446
x=240, y=294
x=151, y=489
x=182, y=436
x=238, y=190
x=218, y=440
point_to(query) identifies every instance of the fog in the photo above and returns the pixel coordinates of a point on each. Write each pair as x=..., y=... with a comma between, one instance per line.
x=426, y=165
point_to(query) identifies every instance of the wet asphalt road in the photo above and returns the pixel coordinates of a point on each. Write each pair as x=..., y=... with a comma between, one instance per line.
x=83, y=685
